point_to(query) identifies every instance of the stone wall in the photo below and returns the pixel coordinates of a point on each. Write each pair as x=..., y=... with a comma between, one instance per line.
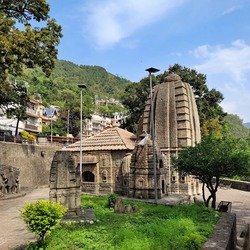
x=33, y=161
x=240, y=185
x=224, y=236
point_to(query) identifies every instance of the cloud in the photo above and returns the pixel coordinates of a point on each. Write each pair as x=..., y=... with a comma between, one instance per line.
x=230, y=66
x=233, y=60
x=108, y=22
x=231, y=9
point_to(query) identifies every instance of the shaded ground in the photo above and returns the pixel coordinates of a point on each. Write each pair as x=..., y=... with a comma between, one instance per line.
x=13, y=232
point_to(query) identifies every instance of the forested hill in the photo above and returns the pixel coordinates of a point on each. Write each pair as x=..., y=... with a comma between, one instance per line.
x=62, y=84
x=96, y=78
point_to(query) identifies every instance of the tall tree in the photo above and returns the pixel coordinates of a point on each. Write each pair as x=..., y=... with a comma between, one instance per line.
x=212, y=159
x=23, y=43
x=134, y=100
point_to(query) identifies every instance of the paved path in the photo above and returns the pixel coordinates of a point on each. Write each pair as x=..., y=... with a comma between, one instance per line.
x=13, y=232
x=240, y=205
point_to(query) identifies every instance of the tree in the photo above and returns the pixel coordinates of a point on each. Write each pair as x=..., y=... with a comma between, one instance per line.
x=134, y=99
x=212, y=159
x=23, y=45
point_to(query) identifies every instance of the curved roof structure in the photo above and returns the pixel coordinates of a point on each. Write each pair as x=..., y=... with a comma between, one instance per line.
x=110, y=139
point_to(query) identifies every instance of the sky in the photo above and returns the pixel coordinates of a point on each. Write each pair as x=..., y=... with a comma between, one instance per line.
x=128, y=36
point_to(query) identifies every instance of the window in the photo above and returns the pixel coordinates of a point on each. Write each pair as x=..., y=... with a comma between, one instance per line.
x=88, y=176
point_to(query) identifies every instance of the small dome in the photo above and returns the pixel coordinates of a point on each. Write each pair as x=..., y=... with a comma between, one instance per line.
x=172, y=77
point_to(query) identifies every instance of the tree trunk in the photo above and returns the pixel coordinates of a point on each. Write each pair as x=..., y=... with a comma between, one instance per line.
x=213, y=200
x=203, y=194
x=17, y=125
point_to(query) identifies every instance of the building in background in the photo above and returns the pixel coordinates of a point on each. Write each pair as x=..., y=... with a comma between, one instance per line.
x=37, y=116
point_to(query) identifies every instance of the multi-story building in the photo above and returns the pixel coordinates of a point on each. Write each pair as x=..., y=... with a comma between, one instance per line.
x=37, y=116
x=98, y=123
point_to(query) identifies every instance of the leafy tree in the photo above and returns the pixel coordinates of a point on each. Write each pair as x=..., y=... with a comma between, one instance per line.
x=24, y=44
x=212, y=159
x=58, y=128
x=15, y=98
x=134, y=100
x=42, y=217
x=207, y=100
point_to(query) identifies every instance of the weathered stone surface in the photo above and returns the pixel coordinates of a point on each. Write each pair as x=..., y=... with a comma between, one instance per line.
x=105, y=162
x=177, y=125
x=33, y=161
x=119, y=205
x=224, y=236
x=9, y=180
x=65, y=183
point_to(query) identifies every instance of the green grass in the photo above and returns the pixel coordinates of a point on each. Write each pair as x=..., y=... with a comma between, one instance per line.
x=151, y=227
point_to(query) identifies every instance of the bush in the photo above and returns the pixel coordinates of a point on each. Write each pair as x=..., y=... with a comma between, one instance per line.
x=111, y=200
x=27, y=136
x=42, y=216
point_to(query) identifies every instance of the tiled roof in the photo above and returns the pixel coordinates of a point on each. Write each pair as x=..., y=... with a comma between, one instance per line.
x=110, y=139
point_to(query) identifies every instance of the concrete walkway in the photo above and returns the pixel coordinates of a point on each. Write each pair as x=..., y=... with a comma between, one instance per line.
x=13, y=231
x=240, y=205
x=14, y=234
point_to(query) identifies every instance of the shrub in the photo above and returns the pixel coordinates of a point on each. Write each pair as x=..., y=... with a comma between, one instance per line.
x=27, y=136
x=42, y=216
x=111, y=200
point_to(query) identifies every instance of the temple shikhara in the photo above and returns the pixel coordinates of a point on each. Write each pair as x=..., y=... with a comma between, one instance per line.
x=177, y=125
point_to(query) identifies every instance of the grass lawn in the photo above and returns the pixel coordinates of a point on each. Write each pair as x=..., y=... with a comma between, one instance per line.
x=151, y=227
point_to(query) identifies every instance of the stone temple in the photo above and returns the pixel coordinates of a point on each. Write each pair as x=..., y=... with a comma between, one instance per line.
x=115, y=160
x=176, y=126
x=105, y=168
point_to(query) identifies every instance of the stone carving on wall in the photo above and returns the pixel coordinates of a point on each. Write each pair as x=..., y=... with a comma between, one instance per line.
x=9, y=180
x=125, y=163
x=65, y=183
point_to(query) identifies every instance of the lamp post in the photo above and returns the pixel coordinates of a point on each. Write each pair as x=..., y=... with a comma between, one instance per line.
x=152, y=126
x=81, y=87
x=51, y=133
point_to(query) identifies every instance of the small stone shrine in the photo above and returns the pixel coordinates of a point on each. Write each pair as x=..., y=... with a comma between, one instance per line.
x=105, y=165
x=9, y=180
x=177, y=125
x=65, y=183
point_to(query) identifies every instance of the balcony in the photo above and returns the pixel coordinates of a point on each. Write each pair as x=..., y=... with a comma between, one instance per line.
x=32, y=112
x=32, y=128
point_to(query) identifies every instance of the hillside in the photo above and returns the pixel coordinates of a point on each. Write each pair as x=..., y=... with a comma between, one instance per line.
x=235, y=126
x=61, y=86
x=247, y=124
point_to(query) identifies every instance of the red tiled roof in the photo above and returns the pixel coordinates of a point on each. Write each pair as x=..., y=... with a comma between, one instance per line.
x=110, y=139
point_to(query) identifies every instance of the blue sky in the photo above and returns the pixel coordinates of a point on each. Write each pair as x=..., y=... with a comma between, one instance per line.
x=128, y=36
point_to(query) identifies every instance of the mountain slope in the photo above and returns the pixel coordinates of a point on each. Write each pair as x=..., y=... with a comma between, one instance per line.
x=62, y=84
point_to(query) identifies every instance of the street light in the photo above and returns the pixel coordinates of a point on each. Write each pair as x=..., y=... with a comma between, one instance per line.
x=152, y=126
x=51, y=133
x=81, y=87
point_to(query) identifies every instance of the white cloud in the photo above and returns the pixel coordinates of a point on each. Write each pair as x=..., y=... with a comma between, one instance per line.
x=108, y=21
x=231, y=9
x=233, y=60
x=230, y=66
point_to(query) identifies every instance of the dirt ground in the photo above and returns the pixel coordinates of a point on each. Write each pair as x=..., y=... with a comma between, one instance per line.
x=14, y=234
